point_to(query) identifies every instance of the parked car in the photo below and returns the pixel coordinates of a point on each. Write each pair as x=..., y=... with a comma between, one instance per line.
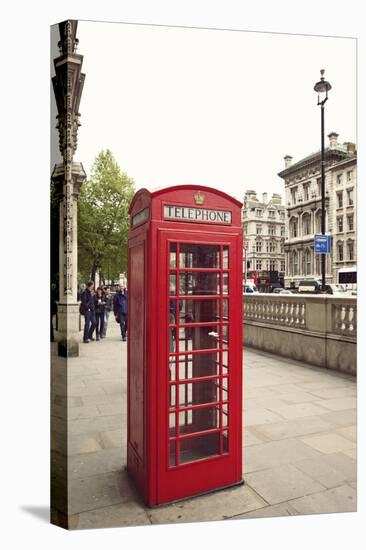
x=315, y=287
x=250, y=289
x=285, y=291
x=277, y=290
x=310, y=286
x=337, y=290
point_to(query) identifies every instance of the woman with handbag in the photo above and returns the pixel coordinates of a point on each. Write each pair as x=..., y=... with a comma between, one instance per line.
x=99, y=301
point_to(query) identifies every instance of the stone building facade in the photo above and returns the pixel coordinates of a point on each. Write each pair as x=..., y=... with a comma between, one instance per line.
x=264, y=232
x=343, y=177
x=303, y=212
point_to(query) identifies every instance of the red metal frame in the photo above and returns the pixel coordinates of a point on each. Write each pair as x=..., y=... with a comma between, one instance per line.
x=157, y=479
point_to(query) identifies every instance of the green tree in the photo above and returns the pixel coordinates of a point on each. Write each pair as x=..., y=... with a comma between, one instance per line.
x=103, y=219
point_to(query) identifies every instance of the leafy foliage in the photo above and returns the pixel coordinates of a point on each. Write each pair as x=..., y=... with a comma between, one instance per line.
x=103, y=219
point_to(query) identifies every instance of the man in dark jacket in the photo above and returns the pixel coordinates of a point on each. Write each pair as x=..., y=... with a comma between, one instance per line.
x=120, y=310
x=88, y=309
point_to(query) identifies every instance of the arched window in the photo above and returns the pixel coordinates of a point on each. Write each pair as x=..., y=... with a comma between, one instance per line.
x=340, y=255
x=294, y=263
x=294, y=230
x=317, y=264
x=306, y=224
x=307, y=262
x=318, y=221
x=351, y=250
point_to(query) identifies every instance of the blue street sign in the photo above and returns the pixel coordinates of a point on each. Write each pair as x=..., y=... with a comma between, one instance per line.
x=322, y=244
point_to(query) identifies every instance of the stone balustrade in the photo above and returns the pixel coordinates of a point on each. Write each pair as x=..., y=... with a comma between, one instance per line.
x=317, y=329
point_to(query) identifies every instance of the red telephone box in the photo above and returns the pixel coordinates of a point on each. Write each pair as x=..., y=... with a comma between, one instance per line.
x=185, y=342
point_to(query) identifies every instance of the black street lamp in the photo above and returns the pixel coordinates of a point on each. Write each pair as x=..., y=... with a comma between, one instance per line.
x=322, y=87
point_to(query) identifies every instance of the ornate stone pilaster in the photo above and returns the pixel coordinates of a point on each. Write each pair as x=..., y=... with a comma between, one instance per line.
x=68, y=84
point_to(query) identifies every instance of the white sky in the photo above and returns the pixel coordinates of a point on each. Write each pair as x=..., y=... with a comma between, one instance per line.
x=209, y=107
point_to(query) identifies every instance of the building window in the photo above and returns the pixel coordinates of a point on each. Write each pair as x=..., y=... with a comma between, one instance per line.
x=306, y=224
x=294, y=195
x=293, y=228
x=350, y=222
x=340, y=224
x=272, y=265
x=282, y=248
x=271, y=230
x=244, y=213
x=258, y=229
x=295, y=263
x=271, y=213
x=258, y=212
x=307, y=262
x=283, y=265
x=340, y=199
x=319, y=186
x=317, y=264
x=282, y=230
x=318, y=221
x=350, y=196
x=245, y=228
x=351, y=253
x=259, y=265
x=282, y=215
x=339, y=179
x=306, y=187
x=258, y=246
x=340, y=252
x=349, y=175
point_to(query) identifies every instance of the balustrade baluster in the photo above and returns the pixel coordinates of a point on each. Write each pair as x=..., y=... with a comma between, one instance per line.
x=302, y=322
x=343, y=317
x=282, y=312
x=291, y=313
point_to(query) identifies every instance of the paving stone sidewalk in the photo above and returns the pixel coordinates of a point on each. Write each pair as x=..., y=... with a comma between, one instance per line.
x=299, y=439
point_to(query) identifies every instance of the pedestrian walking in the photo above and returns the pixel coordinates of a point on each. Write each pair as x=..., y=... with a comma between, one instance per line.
x=107, y=308
x=120, y=309
x=99, y=301
x=87, y=308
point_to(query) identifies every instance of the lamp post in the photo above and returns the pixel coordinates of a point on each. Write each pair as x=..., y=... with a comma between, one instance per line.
x=322, y=87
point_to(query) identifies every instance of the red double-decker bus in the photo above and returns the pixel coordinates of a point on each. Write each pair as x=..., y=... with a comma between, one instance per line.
x=264, y=279
x=252, y=277
x=259, y=277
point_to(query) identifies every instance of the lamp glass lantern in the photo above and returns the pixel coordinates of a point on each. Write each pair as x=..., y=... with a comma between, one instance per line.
x=322, y=88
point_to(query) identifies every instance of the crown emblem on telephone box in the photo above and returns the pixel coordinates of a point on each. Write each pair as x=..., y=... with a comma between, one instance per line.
x=198, y=198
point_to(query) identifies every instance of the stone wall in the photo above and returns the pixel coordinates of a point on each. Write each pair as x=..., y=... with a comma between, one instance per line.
x=317, y=329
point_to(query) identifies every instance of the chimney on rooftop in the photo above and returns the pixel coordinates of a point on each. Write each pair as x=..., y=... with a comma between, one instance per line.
x=351, y=147
x=251, y=194
x=265, y=198
x=276, y=198
x=288, y=161
x=333, y=141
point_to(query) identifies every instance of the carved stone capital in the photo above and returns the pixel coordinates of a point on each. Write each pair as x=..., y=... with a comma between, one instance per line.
x=78, y=176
